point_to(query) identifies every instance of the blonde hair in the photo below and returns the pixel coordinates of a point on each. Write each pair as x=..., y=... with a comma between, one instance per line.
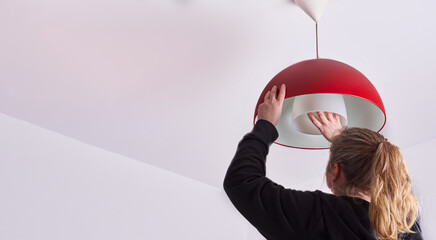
x=373, y=165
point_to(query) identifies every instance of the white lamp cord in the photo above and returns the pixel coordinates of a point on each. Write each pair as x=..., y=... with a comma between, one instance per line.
x=317, y=51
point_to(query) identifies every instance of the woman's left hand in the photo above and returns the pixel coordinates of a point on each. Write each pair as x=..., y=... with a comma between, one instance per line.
x=271, y=108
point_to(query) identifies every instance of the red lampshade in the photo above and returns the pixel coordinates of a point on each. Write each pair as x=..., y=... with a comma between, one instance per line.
x=324, y=77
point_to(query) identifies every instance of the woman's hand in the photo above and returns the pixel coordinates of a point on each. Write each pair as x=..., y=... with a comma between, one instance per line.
x=329, y=124
x=271, y=108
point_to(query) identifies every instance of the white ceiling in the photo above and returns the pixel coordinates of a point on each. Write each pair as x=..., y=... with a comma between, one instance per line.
x=174, y=83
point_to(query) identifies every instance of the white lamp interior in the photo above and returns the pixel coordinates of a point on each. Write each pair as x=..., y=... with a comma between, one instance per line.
x=360, y=113
x=313, y=103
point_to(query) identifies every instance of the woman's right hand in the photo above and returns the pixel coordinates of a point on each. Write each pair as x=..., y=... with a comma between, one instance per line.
x=329, y=124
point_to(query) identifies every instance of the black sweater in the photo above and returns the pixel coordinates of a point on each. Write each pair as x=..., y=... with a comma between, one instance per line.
x=280, y=213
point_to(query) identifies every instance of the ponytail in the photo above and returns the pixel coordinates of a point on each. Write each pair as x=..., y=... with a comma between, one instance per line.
x=374, y=166
x=393, y=207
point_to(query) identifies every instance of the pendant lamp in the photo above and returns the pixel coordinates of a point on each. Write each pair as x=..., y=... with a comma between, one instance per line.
x=323, y=85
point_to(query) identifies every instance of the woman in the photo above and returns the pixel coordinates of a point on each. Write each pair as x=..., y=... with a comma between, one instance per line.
x=372, y=190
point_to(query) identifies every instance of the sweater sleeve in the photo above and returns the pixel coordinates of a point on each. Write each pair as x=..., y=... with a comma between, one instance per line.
x=276, y=212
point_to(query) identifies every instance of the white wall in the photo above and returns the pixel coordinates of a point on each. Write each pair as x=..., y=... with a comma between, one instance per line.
x=55, y=187
x=420, y=160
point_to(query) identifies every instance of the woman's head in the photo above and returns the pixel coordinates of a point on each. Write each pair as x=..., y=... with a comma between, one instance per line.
x=374, y=167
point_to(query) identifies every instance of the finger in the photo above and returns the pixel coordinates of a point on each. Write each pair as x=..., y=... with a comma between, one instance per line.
x=322, y=117
x=330, y=116
x=314, y=120
x=267, y=96
x=337, y=118
x=282, y=93
x=274, y=93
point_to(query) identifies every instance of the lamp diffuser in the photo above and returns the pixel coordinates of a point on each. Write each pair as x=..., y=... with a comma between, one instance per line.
x=312, y=103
